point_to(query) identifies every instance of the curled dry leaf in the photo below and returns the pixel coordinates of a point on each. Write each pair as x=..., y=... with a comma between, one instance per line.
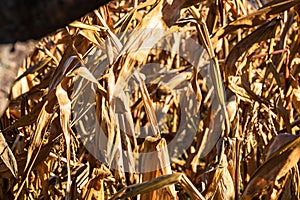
x=65, y=117
x=276, y=166
x=156, y=159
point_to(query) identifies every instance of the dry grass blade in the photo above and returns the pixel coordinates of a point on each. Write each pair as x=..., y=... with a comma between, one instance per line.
x=43, y=122
x=8, y=157
x=158, y=183
x=35, y=68
x=214, y=69
x=141, y=40
x=148, y=105
x=92, y=36
x=85, y=73
x=27, y=119
x=190, y=188
x=79, y=24
x=65, y=117
x=148, y=186
x=112, y=36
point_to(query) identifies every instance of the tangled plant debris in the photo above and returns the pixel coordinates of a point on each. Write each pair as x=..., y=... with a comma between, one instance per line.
x=97, y=105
